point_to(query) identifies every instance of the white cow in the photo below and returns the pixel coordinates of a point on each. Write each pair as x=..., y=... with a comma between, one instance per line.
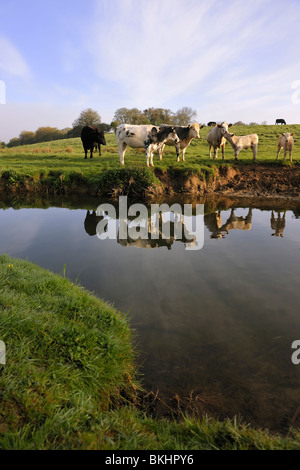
x=144, y=136
x=216, y=139
x=286, y=141
x=242, y=142
x=185, y=134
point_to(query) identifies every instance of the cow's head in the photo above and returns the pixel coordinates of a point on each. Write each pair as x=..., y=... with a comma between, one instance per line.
x=224, y=125
x=225, y=132
x=194, y=130
x=172, y=135
x=100, y=136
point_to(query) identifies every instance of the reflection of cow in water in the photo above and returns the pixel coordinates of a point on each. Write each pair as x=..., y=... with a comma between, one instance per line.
x=156, y=236
x=91, y=221
x=214, y=223
x=278, y=224
x=238, y=223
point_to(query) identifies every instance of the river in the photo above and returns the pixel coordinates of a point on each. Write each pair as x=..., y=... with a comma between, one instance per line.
x=214, y=324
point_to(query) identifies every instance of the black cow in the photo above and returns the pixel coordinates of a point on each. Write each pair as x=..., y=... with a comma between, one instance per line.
x=92, y=136
x=91, y=221
x=280, y=121
x=211, y=123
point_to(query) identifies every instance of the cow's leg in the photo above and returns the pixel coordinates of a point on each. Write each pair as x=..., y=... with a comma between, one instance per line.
x=183, y=152
x=122, y=149
x=85, y=153
x=147, y=155
x=215, y=153
x=278, y=151
x=99, y=147
x=210, y=151
x=151, y=158
x=177, y=147
x=284, y=157
x=254, y=150
x=160, y=151
x=223, y=151
x=91, y=153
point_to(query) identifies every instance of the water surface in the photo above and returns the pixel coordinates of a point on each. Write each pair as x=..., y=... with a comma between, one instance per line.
x=214, y=326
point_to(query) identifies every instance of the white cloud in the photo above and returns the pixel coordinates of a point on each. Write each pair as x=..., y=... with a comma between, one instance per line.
x=11, y=61
x=159, y=53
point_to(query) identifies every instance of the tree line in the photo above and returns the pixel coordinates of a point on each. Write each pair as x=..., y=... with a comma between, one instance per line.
x=90, y=117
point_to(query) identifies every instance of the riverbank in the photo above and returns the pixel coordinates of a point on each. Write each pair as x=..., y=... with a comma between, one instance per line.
x=264, y=180
x=70, y=382
x=59, y=167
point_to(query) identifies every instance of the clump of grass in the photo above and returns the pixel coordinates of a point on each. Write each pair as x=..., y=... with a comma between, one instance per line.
x=69, y=380
x=69, y=357
x=130, y=181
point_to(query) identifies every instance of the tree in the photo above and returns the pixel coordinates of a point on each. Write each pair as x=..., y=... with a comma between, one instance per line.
x=185, y=116
x=14, y=142
x=45, y=134
x=27, y=137
x=157, y=116
x=129, y=116
x=105, y=127
x=87, y=117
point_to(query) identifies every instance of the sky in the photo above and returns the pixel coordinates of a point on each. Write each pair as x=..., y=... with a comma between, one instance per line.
x=227, y=60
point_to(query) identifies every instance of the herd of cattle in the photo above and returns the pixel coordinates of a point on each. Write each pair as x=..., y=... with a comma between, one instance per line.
x=154, y=138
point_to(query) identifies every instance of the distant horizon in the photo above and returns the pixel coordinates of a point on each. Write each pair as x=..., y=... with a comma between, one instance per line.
x=223, y=61
x=201, y=123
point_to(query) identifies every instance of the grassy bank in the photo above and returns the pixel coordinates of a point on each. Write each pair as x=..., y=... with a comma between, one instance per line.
x=69, y=380
x=59, y=166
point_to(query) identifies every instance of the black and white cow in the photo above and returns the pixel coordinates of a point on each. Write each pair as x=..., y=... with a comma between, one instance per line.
x=185, y=134
x=92, y=136
x=149, y=137
x=280, y=121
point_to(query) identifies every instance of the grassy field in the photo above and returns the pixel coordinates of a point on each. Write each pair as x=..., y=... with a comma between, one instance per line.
x=67, y=155
x=69, y=380
x=60, y=165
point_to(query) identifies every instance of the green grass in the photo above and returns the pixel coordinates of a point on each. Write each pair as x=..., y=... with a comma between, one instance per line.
x=59, y=166
x=69, y=356
x=66, y=157
x=69, y=381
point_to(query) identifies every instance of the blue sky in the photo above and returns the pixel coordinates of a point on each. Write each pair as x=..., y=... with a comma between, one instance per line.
x=229, y=60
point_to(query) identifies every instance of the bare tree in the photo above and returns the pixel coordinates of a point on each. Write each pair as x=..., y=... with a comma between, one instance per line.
x=185, y=116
